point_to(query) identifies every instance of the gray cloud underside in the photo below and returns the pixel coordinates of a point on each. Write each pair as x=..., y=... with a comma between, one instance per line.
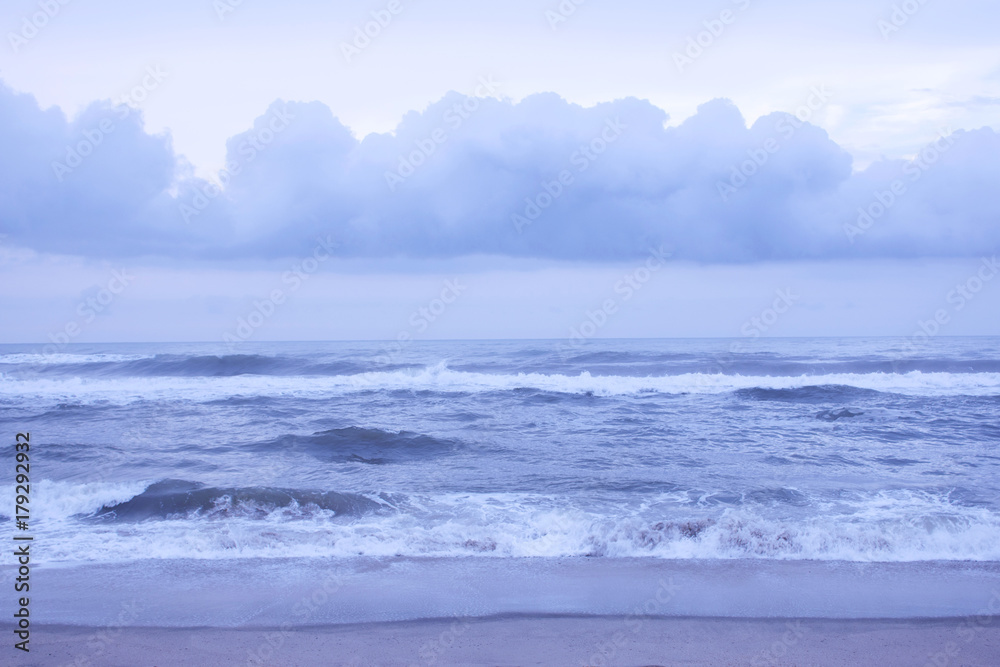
x=541, y=178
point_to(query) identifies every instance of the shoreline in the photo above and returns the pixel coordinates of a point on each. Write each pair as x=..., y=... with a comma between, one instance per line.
x=493, y=612
x=301, y=592
x=534, y=639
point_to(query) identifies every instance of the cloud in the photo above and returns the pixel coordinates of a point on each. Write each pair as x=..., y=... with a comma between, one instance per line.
x=540, y=178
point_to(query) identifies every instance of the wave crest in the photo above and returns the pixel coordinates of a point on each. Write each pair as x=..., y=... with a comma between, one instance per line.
x=443, y=380
x=177, y=499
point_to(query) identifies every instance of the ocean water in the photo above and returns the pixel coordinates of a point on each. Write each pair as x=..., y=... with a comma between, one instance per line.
x=857, y=450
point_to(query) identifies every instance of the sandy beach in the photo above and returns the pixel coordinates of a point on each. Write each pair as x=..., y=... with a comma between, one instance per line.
x=522, y=612
x=537, y=641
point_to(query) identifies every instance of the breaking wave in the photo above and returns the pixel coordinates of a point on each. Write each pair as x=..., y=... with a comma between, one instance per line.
x=441, y=379
x=173, y=518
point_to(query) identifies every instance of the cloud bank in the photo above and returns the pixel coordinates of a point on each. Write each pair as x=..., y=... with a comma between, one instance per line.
x=540, y=178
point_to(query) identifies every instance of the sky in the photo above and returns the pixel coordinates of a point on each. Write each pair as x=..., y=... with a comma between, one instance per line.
x=226, y=170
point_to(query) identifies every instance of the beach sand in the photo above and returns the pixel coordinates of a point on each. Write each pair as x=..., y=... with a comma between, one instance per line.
x=436, y=612
x=536, y=640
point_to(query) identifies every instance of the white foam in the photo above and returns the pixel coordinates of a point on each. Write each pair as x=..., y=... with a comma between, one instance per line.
x=66, y=358
x=442, y=379
x=901, y=526
x=58, y=501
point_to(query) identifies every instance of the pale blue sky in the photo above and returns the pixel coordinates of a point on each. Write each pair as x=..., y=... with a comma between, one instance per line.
x=891, y=94
x=902, y=116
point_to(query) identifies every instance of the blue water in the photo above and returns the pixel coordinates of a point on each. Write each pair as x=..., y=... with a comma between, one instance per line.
x=819, y=449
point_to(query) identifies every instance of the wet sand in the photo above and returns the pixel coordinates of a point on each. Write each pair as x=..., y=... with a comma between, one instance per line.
x=493, y=612
x=534, y=640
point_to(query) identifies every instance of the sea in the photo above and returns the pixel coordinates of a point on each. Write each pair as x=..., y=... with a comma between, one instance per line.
x=505, y=453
